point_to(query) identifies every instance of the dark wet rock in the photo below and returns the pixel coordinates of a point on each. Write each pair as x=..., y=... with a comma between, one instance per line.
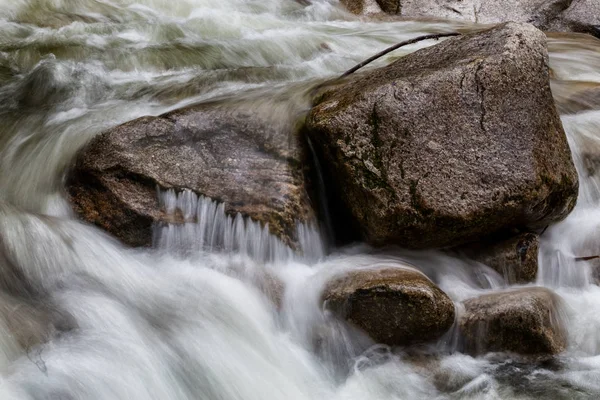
x=515, y=258
x=526, y=321
x=235, y=156
x=450, y=143
x=390, y=6
x=394, y=306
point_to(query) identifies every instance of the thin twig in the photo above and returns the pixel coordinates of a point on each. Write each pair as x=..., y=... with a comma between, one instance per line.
x=586, y=258
x=394, y=47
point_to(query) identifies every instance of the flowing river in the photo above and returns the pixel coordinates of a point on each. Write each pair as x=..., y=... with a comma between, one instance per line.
x=107, y=322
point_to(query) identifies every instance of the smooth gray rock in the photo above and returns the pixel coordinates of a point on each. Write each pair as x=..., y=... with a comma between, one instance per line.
x=450, y=143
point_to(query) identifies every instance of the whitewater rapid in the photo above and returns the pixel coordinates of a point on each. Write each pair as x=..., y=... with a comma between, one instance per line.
x=96, y=320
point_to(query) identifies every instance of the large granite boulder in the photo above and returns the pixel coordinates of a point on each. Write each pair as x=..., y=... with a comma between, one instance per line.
x=395, y=306
x=525, y=321
x=450, y=143
x=235, y=156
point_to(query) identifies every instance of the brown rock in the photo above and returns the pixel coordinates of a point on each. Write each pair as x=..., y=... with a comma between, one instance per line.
x=515, y=258
x=390, y=6
x=354, y=6
x=525, y=321
x=395, y=306
x=362, y=6
x=236, y=156
x=450, y=143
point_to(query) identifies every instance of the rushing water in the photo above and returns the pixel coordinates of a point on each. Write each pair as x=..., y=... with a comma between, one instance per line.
x=82, y=317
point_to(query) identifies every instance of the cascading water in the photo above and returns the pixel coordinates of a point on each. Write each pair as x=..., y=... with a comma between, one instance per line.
x=207, y=227
x=226, y=312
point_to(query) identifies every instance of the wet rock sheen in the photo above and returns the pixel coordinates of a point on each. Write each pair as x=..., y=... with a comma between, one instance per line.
x=394, y=306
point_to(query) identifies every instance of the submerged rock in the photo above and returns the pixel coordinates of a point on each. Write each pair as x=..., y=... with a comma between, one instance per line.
x=515, y=258
x=583, y=97
x=525, y=321
x=32, y=324
x=395, y=306
x=450, y=143
x=235, y=156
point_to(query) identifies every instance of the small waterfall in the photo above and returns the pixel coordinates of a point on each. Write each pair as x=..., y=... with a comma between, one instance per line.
x=198, y=223
x=569, y=249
